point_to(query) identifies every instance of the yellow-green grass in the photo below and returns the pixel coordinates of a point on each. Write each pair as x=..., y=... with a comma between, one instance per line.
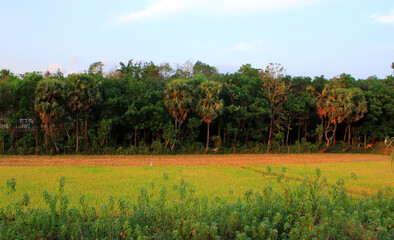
x=228, y=182
x=97, y=183
x=360, y=177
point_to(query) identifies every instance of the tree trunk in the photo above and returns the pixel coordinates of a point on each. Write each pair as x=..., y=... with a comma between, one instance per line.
x=365, y=139
x=53, y=139
x=306, y=131
x=76, y=134
x=46, y=138
x=330, y=140
x=349, y=135
x=321, y=136
x=299, y=132
x=206, y=149
x=288, y=132
x=67, y=132
x=271, y=126
x=35, y=137
x=86, y=130
x=12, y=138
x=224, y=137
x=135, y=137
x=219, y=131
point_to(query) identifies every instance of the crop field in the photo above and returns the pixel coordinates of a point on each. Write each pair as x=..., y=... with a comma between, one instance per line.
x=225, y=176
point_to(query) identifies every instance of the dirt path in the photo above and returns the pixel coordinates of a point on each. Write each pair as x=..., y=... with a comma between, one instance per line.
x=187, y=160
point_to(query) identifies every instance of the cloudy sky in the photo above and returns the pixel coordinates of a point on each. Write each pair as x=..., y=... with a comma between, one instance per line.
x=308, y=37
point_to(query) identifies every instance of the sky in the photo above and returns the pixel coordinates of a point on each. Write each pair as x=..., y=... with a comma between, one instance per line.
x=308, y=37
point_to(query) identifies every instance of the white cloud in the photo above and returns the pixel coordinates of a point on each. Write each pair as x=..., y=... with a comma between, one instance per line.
x=158, y=9
x=248, y=46
x=384, y=18
x=247, y=7
x=73, y=59
x=54, y=67
x=243, y=47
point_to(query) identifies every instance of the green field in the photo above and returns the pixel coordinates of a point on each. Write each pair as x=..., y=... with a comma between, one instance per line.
x=228, y=182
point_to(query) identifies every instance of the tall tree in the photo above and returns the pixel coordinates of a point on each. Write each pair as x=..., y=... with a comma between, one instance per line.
x=248, y=71
x=276, y=90
x=83, y=94
x=357, y=111
x=202, y=68
x=165, y=70
x=178, y=98
x=320, y=98
x=209, y=106
x=96, y=69
x=185, y=70
x=4, y=73
x=131, y=69
x=378, y=122
x=49, y=104
x=338, y=107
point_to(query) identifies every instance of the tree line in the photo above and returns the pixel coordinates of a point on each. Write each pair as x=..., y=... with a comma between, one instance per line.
x=143, y=108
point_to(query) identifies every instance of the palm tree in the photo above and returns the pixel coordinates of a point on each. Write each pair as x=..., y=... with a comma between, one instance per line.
x=131, y=69
x=178, y=99
x=83, y=94
x=358, y=108
x=4, y=73
x=338, y=106
x=321, y=110
x=125, y=69
x=49, y=105
x=209, y=106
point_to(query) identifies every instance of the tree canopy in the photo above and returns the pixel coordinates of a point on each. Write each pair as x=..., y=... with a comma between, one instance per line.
x=142, y=107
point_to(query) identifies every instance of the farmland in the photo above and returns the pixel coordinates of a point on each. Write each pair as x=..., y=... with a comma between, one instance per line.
x=339, y=196
x=226, y=176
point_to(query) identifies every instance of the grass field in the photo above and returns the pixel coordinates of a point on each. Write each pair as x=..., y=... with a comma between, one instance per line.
x=227, y=176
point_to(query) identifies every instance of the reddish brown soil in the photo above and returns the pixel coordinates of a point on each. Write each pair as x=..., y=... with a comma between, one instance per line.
x=187, y=160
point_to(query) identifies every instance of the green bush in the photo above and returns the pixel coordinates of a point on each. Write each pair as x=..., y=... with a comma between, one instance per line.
x=307, y=210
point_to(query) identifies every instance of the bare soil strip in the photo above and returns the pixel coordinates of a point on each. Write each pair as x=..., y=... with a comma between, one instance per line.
x=188, y=160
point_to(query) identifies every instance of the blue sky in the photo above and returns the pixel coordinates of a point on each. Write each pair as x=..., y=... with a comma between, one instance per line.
x=308, y=37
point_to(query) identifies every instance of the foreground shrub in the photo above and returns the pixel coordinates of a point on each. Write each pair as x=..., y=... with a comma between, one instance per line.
x=308, y=209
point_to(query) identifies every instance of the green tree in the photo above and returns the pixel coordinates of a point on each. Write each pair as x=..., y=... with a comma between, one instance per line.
x=294, y=108
x=4, y=74
x=49, y=105
x=165, y=70
x=130, y=69
x=202, y=68
x=178, y=98
x=245, y=108
x=113, y=105
x=356, y=111
x=320, y=98
x=248, y=71
x=96, y=68
x=185, y=70
x=378, y=122
x=83, y=94
x=276, y=90
x=146, y=113
x=209, y=106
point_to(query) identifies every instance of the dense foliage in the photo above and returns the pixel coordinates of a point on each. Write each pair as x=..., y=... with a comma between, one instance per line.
x=143, y=108
x=307, y=210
